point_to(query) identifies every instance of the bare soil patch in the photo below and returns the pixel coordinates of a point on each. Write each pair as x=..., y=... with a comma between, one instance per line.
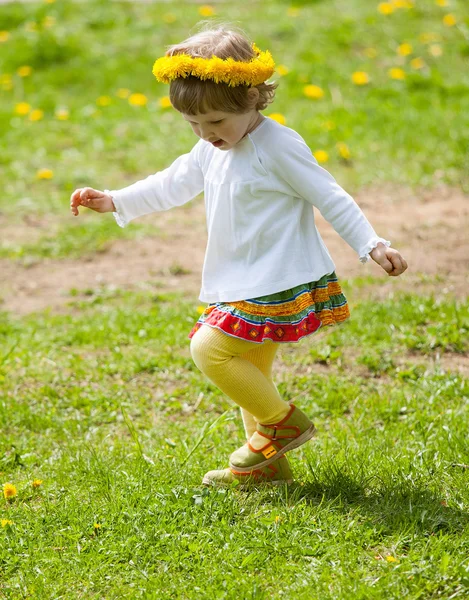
x=429, y=227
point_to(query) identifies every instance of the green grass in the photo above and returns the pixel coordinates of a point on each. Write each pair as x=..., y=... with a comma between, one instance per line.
x=413, y=132
x=98, y=403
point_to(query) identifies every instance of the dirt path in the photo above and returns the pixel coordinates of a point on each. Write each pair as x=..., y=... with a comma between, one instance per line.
x=430, y=228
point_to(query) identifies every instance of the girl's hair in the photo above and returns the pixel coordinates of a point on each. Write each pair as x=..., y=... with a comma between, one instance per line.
x=191, y=95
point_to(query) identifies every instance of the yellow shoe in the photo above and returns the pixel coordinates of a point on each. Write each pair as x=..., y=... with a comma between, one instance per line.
x=277, y=473
x=271, y=441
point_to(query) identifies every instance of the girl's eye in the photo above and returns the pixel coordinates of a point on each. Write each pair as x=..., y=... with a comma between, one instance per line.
x=216, y=122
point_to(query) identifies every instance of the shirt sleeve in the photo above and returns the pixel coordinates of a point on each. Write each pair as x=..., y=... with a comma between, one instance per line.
x=295, y=164
x=174, y=186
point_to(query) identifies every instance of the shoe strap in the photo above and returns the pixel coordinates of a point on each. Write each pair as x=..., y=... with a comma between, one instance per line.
x=278, y=432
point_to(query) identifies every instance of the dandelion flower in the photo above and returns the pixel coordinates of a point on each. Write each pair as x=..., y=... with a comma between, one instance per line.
x=344, y=150
x=49, y=1
x=396, y=73
x=62, y=114
x=313, y=91
x=36, y=115
x=385, y=8
x=4, y=35
x=6, y=522
x=435, y=50
x=278, y=519
x=402, y=4
x=138, y=100
x=97, y=525
x=279, y=118
x=206, y=10
x=24, y=71
x=405, y=49
x=169, y=18
x=103, y=101
x=360, y=78
x=22, y=108
x=321, y=156
x=165, y=102
x=44, y=174
x=282, y=70
x=391, y=559
x=441, y=2
x=449, y=20
x=201, y=309
x=417, y=63
x=36, y=483
x=9, y=490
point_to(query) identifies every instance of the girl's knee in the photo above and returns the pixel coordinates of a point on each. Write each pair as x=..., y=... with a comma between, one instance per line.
x=205, y=350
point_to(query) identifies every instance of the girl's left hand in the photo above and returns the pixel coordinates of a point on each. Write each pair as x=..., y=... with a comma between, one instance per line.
x=389, y=259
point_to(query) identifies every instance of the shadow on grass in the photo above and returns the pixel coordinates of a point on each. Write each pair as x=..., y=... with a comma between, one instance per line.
x=395, y=500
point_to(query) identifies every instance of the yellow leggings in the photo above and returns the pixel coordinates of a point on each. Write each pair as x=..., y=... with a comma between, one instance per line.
x=243, y=371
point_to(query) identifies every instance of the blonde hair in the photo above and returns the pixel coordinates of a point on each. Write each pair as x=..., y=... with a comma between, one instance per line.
x=191, y=95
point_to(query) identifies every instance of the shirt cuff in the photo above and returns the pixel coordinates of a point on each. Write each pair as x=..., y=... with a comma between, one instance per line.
x=364, y=253
x=120, y=220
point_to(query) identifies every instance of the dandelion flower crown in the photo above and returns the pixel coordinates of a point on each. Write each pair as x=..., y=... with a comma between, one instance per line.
x=230, y=71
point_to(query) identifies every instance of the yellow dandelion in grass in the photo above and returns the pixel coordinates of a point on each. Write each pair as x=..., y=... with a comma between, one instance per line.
x=36, y=483
x=24, y=71
x=165, y=102
x=417, y=63
x=169, y=18
x=282, y=70
x=6, y=522
x=435, y=50
x=4, y=36
x=97, y=526
x=405, y=49
x=201, y=309
x=391, y=559
x=293, y=11
x=22, y=108
x=44, y=174
x=62, y=114
x=441, y=2
x=103, y=101
x=279, y=118
x=449, y=20
x=313, y=91
x=344, y=150
x=278, y=519
x=360, y=78
x=49, y=1
x=5, y=78
x=321, y=156
x=9, y=491
x=206, y=10
x=402, y=4
x=138, y=100
x=123, y=93
x=36, y=115
x=370, y=52
x=49, y=21
x=385, y=8
x=396, y=73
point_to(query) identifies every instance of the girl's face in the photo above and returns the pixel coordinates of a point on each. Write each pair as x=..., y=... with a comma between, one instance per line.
x=223, y=130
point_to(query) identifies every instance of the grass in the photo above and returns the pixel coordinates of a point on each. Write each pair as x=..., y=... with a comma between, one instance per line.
x=98, y=402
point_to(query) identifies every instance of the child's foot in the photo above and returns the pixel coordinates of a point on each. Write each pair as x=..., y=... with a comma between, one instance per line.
x=271, y=441
x=277, y=473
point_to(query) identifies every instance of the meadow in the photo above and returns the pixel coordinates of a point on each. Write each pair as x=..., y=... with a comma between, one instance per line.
x=107, y=427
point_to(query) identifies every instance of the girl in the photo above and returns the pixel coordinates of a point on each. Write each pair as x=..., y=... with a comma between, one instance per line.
x=267, y=277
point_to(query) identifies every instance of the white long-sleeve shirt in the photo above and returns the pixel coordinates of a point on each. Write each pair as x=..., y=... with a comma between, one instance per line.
x=259, y=199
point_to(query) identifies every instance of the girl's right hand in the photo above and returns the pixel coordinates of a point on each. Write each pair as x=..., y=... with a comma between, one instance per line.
x=91, y=198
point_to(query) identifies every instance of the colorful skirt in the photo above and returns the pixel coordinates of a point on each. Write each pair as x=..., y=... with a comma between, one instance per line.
x=284, y=316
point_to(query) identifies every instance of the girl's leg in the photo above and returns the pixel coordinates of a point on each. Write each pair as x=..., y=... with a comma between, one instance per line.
x=262, y=356
x=220, y=357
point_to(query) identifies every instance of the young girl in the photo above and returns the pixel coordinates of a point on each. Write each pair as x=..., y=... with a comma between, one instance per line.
x=267, y=277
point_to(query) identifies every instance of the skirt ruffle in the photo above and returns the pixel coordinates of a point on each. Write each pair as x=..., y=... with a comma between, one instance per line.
x=285, y=316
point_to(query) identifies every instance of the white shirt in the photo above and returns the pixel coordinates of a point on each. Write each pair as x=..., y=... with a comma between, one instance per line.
x=259, y=199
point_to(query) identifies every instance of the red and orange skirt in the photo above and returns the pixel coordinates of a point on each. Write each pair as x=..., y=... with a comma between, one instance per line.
x=285, y=316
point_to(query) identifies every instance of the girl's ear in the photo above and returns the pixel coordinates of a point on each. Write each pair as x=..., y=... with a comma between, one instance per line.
x=253, y=95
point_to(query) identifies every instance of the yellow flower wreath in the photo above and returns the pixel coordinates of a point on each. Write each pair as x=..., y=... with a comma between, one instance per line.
x=230, y=71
